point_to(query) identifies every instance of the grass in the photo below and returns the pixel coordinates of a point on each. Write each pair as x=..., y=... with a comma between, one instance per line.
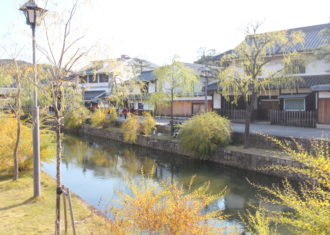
x=20, y=213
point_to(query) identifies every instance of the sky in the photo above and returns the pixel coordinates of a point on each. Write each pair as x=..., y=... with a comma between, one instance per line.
x=157, y=30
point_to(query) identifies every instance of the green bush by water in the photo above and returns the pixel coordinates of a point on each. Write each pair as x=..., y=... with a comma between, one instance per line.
x=204, y=133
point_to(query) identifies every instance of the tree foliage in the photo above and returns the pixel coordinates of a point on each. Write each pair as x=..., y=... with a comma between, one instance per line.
x=309, y=202
x=98, y=117
x=324, y=50
x=164, y=209
x=75, y=118
x=204, y=133
x=130, y=128
x=244, y=74
x=173, y=80
x=113, y=115
x=25, y=151
x=148, y=124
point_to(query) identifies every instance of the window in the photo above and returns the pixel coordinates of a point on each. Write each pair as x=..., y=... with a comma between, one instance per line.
x=294, y=104
x=140, y=106
x=92, y=78
x=103, y=78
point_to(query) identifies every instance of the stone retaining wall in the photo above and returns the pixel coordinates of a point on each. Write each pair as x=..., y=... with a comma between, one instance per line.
x=227, y=156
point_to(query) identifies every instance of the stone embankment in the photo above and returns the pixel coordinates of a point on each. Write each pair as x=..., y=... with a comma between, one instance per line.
x=250, y=159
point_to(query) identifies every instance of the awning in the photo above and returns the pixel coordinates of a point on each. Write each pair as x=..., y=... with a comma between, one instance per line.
x=289, y=96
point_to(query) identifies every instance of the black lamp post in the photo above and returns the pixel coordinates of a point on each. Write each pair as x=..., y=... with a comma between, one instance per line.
x=206, y=74
x=33, y=15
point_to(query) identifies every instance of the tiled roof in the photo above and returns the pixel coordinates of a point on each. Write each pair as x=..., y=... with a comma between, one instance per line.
x=147, y=76
x=90, y=95
x=309, y=81
x=312, y=40
x=303, y=82
x=324, y=87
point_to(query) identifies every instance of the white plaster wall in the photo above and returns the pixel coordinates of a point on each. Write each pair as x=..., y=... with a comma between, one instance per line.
x=324, y=94
x=315, y=66
x=273, y=66
x=216, y=101
x=151, y=87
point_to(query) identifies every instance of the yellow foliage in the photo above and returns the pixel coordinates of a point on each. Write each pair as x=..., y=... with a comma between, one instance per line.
x=165, y=209
x=148, y=124
x=98, y=118
x=75, y=117
x=8, y=131
x=130, y=128
x=204, y=133
x=112, y=114
x=309, y=202
x=258, y=223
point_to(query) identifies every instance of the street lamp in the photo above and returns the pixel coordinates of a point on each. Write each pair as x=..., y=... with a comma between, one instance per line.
x=206, y=74
x=33, y=15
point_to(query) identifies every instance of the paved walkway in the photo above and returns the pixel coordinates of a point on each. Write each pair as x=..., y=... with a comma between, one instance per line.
x=286, y=131
x=274, y=130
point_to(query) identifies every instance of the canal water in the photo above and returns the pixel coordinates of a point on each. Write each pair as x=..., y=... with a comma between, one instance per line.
x=96, y=169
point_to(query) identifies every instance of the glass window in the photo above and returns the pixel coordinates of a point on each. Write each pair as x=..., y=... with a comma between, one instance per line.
x=294, y=104
x=140, y=106
x=104, y=78
x=92, y=78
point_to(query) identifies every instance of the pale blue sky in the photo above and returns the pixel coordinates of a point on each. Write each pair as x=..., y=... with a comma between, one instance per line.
x=158, y=29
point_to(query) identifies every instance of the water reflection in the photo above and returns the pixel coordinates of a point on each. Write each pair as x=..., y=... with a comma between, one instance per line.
x=95, y=169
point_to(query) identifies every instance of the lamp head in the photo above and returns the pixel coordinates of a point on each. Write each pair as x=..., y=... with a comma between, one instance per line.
x=33, y=13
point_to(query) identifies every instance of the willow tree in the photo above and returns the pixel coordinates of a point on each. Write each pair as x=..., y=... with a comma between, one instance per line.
x=13, y=72
x=173, y=80
x=124, y=83
x=324, y=50
x=63, y=49
x=245, y=74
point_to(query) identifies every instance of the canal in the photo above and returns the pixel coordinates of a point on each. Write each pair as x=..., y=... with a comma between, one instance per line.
x=95, y=169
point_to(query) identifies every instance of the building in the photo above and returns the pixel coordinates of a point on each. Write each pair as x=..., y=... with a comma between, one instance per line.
x=97, y=79
x=309, y=97
x=186, y=106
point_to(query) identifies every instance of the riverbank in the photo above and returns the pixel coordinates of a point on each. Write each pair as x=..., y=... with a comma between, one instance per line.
x=254, y=159
x=20, y=213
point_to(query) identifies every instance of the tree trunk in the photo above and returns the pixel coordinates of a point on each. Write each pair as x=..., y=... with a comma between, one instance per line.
x=172, y=119
x=58, y=174
x=18, y=138
x=18, y=133
x=248, y=117
x=247, y=127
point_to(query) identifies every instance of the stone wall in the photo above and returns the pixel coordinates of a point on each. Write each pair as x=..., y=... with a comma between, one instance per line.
x=227, y=156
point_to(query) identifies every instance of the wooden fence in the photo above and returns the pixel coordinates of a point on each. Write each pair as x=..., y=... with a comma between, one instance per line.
x=237, y=115
x=293, y=118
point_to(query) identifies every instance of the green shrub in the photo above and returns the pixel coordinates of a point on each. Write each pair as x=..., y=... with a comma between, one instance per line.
x=98, y=118
x=204, y=133
x=148, y=124
x=130, y=128
x=75, y=117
